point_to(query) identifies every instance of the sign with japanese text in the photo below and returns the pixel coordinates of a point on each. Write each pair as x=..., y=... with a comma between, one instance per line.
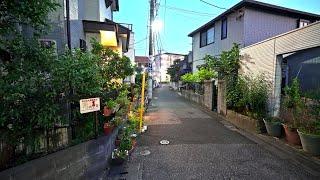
x=89, y=105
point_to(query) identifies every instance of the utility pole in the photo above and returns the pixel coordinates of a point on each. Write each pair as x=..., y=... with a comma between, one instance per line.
x=68, y=24
x=151, y=47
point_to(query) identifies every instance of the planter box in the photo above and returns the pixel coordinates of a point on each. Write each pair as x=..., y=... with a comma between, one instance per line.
x=242, y=121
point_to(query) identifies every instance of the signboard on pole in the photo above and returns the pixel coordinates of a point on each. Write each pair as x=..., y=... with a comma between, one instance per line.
x=89, y=105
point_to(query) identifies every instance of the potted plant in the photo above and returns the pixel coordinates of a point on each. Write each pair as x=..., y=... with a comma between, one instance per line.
x=119, y=156
x=107, y=128
x=117, y=121
x=293, y=105
x=109, y=107
x=273, y=126
x=310, y=138
x=309, y=131
x=122, y=99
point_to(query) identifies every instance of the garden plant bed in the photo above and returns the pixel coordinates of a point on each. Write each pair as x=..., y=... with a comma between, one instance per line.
x=243, y=122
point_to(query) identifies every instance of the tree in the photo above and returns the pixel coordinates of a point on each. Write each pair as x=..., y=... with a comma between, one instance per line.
x=32, y=13
x=227, y=66
x=173, y=71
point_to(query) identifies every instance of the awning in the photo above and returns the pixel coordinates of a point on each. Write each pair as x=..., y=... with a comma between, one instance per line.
x=121, y=31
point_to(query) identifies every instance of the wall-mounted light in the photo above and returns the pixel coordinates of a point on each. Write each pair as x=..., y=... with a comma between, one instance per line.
x=108, y=38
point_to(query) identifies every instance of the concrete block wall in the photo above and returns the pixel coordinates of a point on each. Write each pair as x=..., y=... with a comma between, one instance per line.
x=222, y=101
x=204, y=100
x=88, y=160
x=208, y=94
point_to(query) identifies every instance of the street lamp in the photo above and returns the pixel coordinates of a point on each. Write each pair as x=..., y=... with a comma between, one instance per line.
x=157, y=25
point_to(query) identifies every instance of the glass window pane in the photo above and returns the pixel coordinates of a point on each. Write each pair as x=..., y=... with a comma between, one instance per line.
x=203, y=39
x=210, y=35
x=224, y=29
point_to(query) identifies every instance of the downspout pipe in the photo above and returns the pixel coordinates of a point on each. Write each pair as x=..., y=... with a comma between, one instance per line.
x=68, y=24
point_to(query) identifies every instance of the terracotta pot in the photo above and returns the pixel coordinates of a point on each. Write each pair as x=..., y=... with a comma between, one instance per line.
x=107, y=128
x=117, y=142
x=134, y=142
x=292, y=135
x=107, y=111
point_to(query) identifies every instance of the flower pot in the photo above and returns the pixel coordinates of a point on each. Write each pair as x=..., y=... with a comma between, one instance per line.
x=118, y=161
x=310, y=143
x=292, y=135
x=117, y=142
x=273, y=129
x=107, y=128
x=134, y=142
x=107, y=111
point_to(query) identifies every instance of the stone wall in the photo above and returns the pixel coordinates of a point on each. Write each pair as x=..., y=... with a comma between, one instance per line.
x=204, y=100
x=88, y=160
x=190, y=95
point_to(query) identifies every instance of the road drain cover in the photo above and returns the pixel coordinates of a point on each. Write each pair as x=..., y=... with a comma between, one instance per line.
x=145, y=153
x=232, y=128
x=164, y=142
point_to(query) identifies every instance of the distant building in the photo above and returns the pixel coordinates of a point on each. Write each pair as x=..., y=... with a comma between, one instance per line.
x=245, y=23
x=161, y=63
x=142, y=61
x=88, y=19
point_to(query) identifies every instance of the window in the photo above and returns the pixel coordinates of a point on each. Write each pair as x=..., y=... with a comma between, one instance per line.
x=224, y=28
x=83, y=45
x=48, y=43
x=203, y=39
x=207, y=37
x=302, y=23
x=210, y=35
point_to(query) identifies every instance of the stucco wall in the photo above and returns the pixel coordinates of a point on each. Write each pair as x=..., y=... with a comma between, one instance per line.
x=92, y=10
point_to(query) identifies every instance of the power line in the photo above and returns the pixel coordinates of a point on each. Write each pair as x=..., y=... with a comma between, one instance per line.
x=139, y=41
x=187, y=11
x=213, y=5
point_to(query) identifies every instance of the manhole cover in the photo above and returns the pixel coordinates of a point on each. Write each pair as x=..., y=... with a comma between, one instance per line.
x=145, y=153
x=164, y=142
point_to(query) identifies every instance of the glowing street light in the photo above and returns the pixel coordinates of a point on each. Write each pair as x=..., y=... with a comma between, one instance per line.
x=157, y=25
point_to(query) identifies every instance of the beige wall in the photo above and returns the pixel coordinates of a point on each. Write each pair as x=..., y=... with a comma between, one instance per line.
x=265, y=57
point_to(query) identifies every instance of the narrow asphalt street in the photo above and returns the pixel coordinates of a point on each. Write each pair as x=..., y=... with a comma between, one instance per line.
x=200, y=147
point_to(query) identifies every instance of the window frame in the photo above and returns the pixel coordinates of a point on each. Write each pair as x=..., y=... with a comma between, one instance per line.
x=201, y=38
x=213, y=35
x=204, y=34
x=224, y=19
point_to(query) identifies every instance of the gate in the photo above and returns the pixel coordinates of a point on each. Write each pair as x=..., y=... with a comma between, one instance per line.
x=214, y=97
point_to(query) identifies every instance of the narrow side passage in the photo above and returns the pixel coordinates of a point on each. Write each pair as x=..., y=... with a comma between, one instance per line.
x=200, y=147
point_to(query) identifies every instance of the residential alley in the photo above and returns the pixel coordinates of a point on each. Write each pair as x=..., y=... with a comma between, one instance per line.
x=201, y=147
